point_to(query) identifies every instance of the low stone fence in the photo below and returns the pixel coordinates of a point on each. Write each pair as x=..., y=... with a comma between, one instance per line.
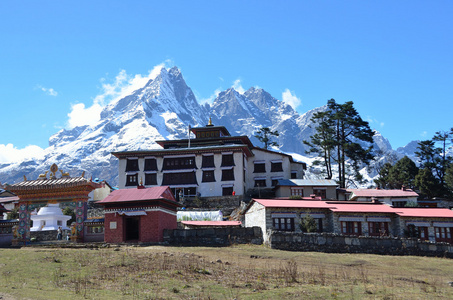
x=47, y=235
x=214, y=236
x=334, y=243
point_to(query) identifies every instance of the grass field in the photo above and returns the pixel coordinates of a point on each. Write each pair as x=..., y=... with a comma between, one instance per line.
x=236, y=272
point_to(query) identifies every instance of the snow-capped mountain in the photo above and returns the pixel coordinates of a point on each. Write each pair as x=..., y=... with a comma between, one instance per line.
x=163, y=109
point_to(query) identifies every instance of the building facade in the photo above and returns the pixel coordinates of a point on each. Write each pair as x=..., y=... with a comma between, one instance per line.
x=352, y=218
x=212, y=164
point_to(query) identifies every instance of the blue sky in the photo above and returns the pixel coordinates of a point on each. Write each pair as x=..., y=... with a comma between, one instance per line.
x=393, y=59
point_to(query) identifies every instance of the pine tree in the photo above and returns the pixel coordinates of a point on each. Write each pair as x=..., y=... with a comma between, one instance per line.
x=338, y=133
x=403, y=174
x=427, y=184
x=265, y=135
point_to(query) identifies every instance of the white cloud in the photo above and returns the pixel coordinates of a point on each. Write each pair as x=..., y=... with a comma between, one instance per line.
x=211, y=98
x=238, y=87
x=424, y=134
x=372, y=121
x=48, y=91
x=122, y=86
x=10, y=154
x=291, y=99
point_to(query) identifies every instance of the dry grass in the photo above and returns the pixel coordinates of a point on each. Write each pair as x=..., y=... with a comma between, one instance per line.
x=238, y=272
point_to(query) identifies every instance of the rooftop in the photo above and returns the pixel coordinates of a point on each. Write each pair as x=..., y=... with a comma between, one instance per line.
x=139, y=194
x=378, y=193
x=307, y=182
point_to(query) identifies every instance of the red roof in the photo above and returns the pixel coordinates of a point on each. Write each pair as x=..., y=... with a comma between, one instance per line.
x=152, y=193
x=293, y=203
x=212, y=223
x=363, y=208
x=424, y=212
x=383, y=193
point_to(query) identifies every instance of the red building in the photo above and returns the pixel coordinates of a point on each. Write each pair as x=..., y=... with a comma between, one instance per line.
x=139, y=215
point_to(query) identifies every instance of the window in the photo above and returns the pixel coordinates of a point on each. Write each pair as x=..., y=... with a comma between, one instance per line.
x=283, y=224
x=150, y=164
x=351, y=228
x=228, y=175
x=297, y=192
x=423, y=233
x=227, y=160
x=131, y=165
x=151, y=179
x=260, y=182
x=293, y=174
x=208, y=176
x=208, y=161
x=443, y=234
x=59, y=223
x=227, y=191
x=320, y=193
x=378, y=228
x=178, y=163
x=399, y=203
x=276, y=167
x=260, y=167
x=131, y=180
x=275, y=181
x=319, y=227
x=179, y=178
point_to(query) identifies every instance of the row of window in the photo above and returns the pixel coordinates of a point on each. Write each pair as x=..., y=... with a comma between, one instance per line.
x=318, y=192
x=177, y=163
x=179, y=178
x=259, y=183
x=260, y=167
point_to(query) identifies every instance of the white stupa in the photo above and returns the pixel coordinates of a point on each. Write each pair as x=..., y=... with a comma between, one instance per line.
x=49, y=217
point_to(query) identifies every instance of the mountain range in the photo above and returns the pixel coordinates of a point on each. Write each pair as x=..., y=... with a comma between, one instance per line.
x=163, y=109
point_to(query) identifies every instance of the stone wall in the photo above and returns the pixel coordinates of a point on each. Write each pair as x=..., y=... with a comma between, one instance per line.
x=333, y=243
x=214, y=236
x=47, y=235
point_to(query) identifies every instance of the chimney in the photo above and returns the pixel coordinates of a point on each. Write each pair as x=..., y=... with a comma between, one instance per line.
x=403, y=188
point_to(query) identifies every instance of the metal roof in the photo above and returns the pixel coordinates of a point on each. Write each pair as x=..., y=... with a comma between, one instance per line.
x=293, y=203
x=211, y=223
x=378, y=193
x=362, y=208
x=139, y=194
x=424, y=212
x=307, y=182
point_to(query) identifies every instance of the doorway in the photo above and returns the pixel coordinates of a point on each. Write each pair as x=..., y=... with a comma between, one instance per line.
x=132, y=228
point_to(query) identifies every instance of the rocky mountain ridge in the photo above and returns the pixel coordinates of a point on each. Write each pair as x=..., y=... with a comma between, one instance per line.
x=163, y=109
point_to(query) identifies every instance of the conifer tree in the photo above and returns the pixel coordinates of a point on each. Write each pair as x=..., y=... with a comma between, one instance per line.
x=338, y=133
x=265, y=135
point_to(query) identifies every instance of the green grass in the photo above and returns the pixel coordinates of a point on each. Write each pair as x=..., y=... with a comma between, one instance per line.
x=237, y=272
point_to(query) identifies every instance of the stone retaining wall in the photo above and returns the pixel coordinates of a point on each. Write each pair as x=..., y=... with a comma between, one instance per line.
x=214, y=236
x=333, y=243
x=47, y=235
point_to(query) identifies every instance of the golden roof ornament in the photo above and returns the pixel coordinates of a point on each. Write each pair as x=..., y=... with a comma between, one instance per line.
x=210, y=122
x=43, y=176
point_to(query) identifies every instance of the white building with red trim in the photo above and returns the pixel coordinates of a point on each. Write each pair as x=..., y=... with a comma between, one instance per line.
x=351, y=218
x=212, y=164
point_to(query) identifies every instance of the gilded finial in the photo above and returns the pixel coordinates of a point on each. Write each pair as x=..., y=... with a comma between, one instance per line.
x=141, y=181
x=25, y=178
x=43, y=176
x=83, y=174
x=210, y=122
